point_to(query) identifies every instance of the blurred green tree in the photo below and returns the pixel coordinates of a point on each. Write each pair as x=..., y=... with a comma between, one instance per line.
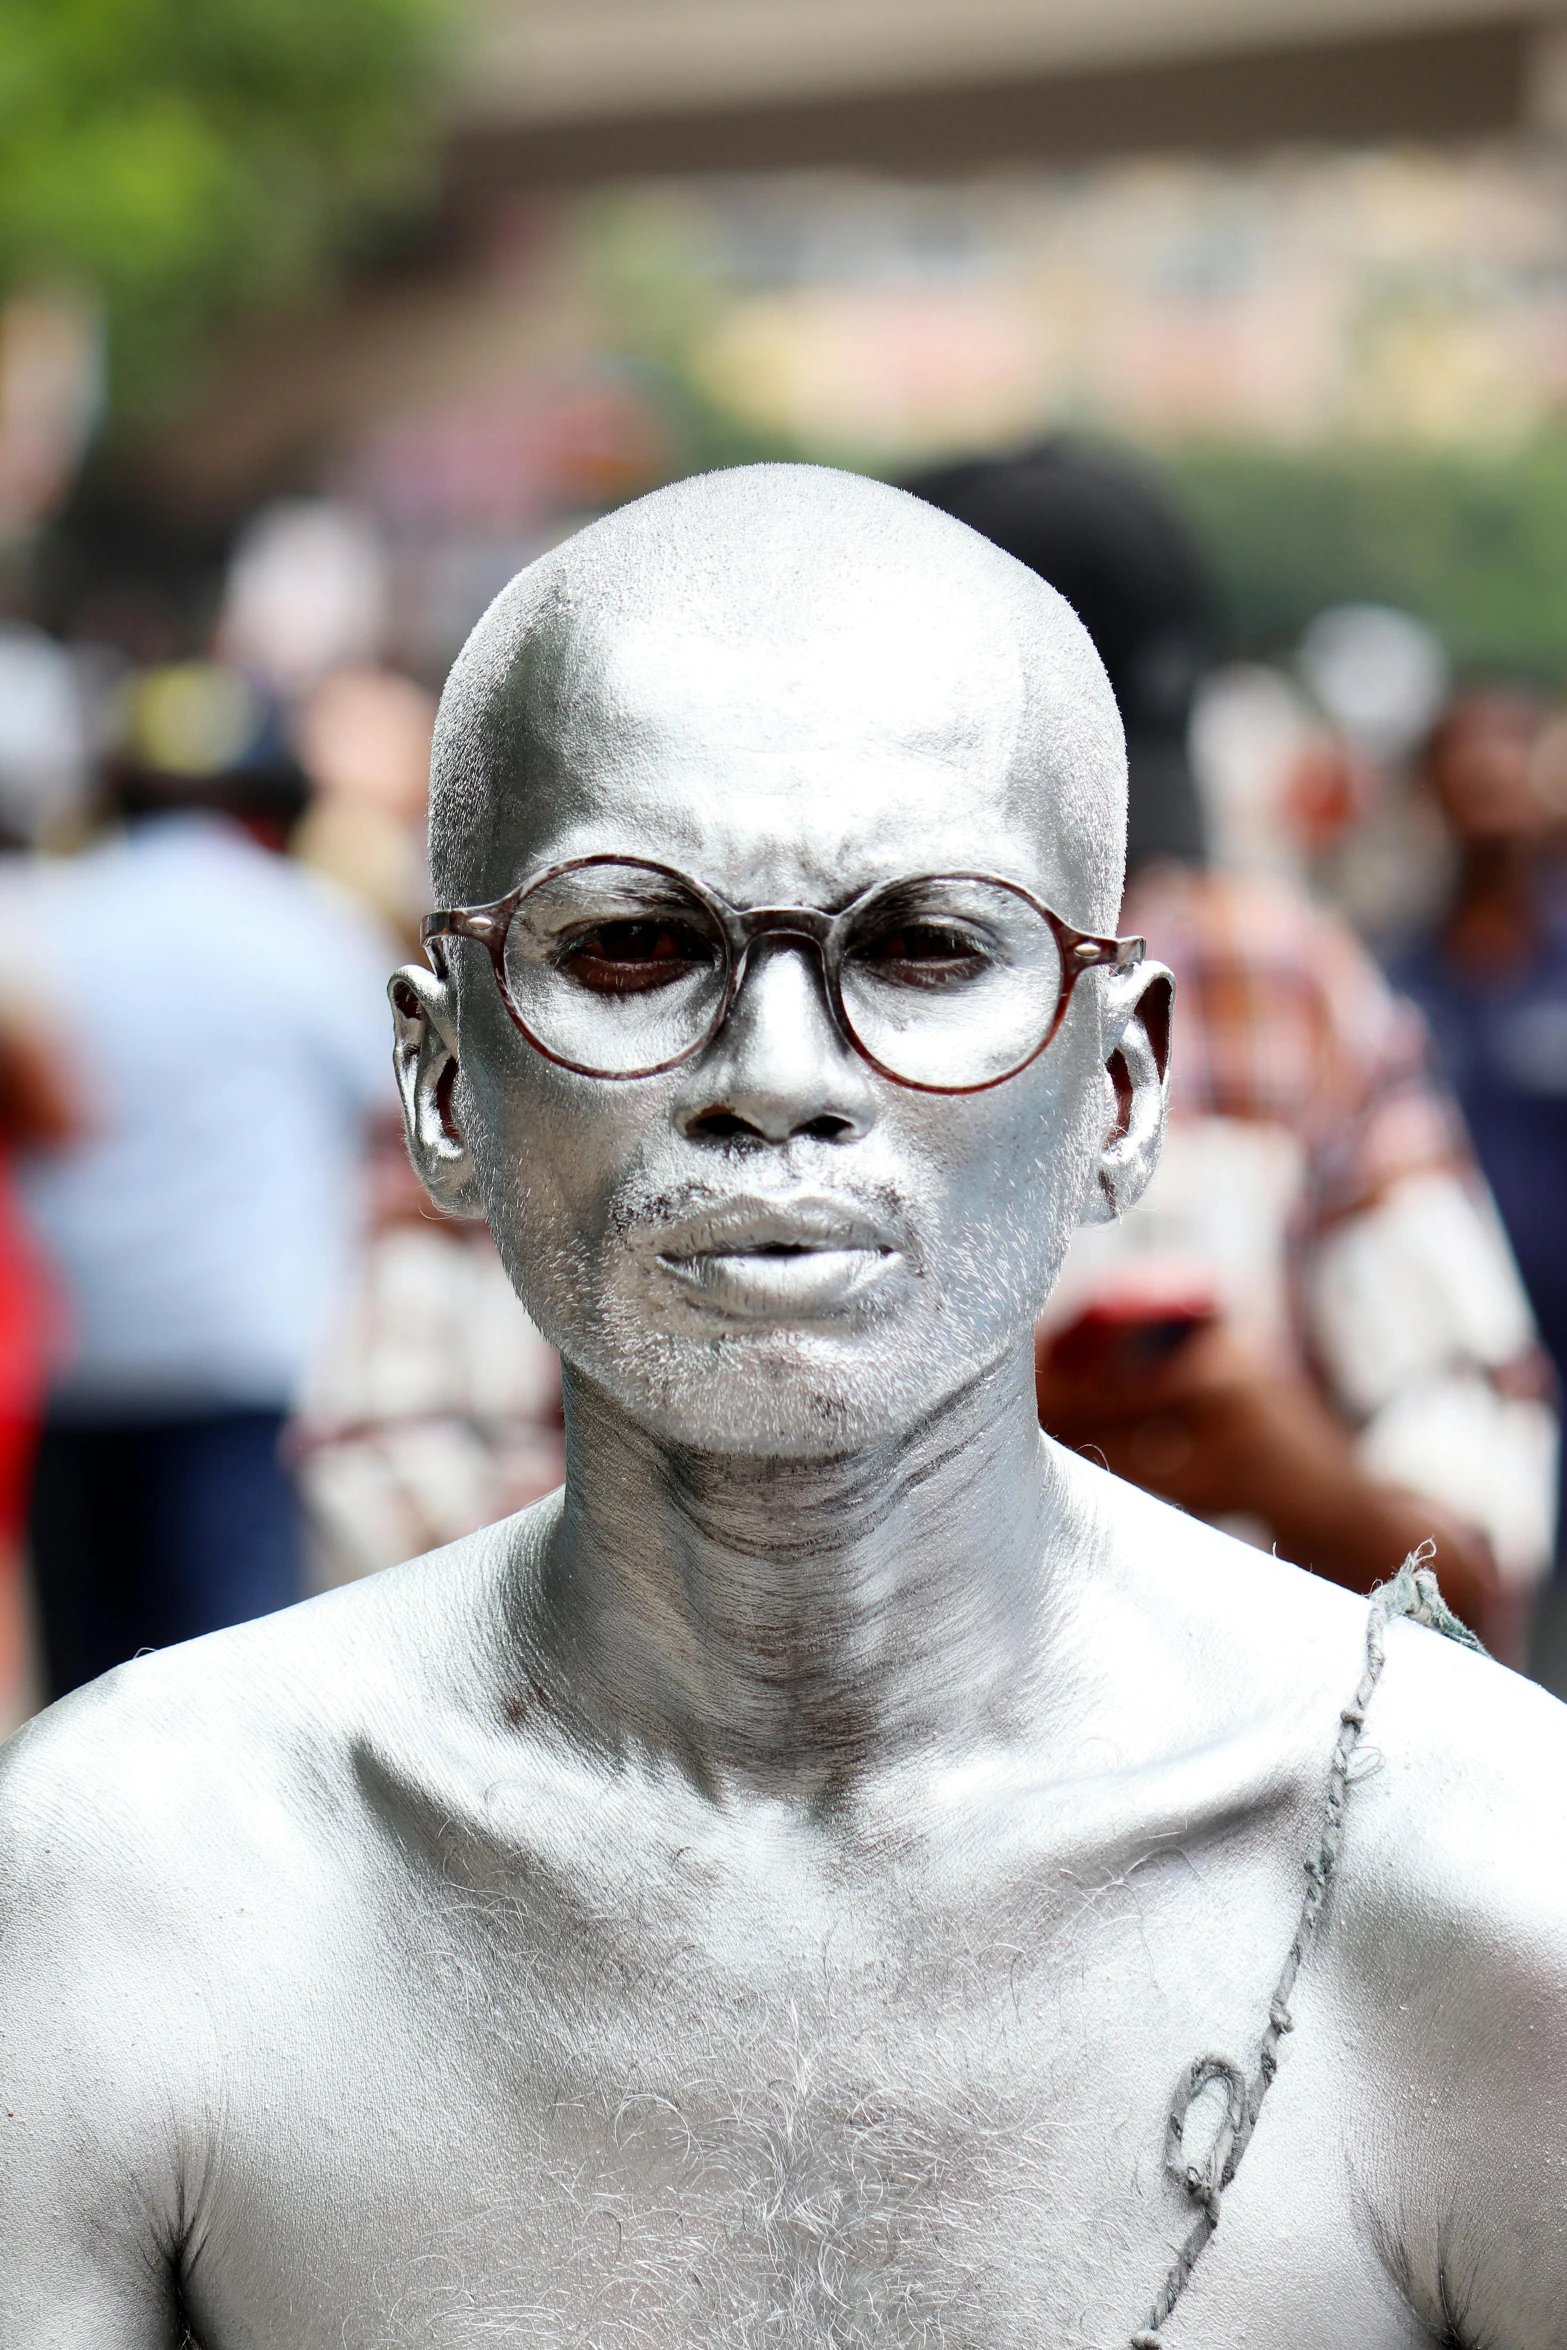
x=177, y=161
x=1474, y=542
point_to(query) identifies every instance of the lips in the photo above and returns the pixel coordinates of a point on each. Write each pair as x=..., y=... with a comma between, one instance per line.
x=777, y=1260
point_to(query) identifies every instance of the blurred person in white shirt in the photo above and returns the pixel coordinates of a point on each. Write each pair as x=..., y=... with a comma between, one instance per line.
x=205, y=1226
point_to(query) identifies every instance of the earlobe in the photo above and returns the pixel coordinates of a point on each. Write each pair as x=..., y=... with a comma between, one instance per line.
x=425, y=1056
x=1137, y=1067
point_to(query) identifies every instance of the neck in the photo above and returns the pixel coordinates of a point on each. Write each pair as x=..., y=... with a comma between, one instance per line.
x=794, y=1623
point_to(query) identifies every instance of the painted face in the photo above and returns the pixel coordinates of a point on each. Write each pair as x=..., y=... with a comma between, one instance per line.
x=772, y=1248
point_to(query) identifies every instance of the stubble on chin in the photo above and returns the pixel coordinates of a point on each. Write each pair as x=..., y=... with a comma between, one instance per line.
x=694, y=1379
x=691, y=1377
x=779, y=1391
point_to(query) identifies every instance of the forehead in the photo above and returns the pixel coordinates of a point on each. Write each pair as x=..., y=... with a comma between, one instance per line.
x=805, y=760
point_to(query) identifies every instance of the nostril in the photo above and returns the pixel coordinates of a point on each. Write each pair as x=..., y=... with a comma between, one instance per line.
x=723, y=1126
x=717, y=1125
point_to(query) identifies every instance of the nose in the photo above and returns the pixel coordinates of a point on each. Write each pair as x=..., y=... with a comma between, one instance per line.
x=778, y=1067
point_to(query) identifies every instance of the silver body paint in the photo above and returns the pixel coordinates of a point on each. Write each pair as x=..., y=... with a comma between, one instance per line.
x=766, y=1894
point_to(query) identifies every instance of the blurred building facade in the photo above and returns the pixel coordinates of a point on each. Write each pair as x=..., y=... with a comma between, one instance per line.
x=587, y=89
x=886, y=231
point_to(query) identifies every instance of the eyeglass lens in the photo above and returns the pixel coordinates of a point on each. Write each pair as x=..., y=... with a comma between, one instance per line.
x=950, y=982
x=945, y=981
x=615, y=968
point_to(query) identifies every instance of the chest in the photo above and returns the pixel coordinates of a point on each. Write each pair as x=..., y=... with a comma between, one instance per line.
x=906, y=2112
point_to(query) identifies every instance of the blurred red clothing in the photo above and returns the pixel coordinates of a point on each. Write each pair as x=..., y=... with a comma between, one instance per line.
x=36, y=1108
x=29, y=1326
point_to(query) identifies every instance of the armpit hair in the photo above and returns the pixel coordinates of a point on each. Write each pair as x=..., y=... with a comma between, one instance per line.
x=1442, y=2297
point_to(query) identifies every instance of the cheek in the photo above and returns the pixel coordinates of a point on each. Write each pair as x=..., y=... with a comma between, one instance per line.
x=512, y=1111
x=1030, y=1133
x=551, y=1148
x=547, y=1171
x=544, y=1159
x=1011, y=1169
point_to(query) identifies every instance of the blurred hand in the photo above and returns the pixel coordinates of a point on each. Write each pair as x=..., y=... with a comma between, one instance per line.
x=1221, y=1431
x=40, y=1103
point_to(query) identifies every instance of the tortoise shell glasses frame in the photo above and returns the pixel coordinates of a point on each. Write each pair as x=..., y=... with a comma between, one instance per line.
x=738, y=928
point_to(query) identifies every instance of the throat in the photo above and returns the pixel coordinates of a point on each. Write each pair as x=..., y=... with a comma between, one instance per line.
x=794, y=1621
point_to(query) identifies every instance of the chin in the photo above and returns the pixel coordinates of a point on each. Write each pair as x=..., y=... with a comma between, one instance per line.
x=776, y=1394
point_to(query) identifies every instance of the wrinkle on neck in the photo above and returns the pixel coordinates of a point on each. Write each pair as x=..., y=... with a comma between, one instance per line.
x=790, y=1623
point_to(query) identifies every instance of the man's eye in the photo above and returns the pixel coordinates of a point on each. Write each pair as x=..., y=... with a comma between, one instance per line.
x=922, y=954
x=625, y=958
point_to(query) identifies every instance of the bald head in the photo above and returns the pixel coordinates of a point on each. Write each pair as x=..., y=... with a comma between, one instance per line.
x=752, y=625
x=796, y=688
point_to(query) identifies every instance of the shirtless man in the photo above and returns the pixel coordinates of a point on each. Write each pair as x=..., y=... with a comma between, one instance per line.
x=768, y=1893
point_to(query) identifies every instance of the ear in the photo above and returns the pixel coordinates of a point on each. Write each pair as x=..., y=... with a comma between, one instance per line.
x=424, y=1052
x=1137, y=1009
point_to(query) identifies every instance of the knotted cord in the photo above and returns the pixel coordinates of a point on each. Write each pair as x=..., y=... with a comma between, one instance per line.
x=1413, y=1592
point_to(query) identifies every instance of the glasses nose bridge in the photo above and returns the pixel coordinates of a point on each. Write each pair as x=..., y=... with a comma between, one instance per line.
x=806, y=924
x=808, y=927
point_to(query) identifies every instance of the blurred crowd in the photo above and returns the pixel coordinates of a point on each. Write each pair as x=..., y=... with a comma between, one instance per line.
x=242, y=1358
x=1334, y=1324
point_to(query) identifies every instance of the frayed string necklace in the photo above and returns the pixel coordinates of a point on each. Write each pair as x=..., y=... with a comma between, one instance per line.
x=1413, y=1592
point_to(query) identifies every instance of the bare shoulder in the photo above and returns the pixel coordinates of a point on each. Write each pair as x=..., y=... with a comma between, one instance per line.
x=1441, y=1975
x=1463, y=1776
x=175, y=1842
x=1442, y=1971
x=1461, y=1811
x=1207, y=1633
x=187, y=1762
x=1447, y=1958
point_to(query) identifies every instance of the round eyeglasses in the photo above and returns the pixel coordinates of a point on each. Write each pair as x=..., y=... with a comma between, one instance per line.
x=617, y=967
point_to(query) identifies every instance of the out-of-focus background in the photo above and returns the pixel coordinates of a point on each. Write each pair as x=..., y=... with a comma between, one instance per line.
x=1247, y=328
